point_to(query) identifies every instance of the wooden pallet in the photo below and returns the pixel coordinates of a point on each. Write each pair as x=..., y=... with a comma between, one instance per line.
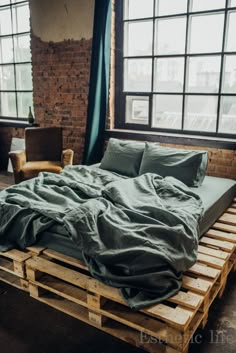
x=12, y=266
x=65, y=284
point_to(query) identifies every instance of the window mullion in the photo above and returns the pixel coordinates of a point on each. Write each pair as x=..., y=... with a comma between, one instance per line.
x=14, y=63
x=150, y=117
x=185, y=63
x=222, y=66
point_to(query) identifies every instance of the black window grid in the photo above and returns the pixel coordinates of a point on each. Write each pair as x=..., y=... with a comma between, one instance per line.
x=120, y=120
x=14, y=63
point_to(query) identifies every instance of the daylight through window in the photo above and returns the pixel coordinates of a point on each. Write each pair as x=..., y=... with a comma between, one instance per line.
x=15, y=59
x=176, y=66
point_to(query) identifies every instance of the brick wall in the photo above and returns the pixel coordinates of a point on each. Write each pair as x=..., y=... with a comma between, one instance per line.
x=61, y=74
x=61, y=83
x=221, y=162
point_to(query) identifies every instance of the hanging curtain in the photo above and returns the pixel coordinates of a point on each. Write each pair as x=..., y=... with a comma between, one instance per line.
x=99, y=83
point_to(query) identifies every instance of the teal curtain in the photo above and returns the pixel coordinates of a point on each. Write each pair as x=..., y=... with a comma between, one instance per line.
x=99, y=83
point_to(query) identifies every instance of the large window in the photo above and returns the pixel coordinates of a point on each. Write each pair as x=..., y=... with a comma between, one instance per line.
x=176, y=66
x=15, y=60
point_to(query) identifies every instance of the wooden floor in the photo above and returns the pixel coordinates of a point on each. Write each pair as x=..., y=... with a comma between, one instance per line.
x=6, y=179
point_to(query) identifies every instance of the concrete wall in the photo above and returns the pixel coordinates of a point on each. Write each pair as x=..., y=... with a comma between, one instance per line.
x=58, y=20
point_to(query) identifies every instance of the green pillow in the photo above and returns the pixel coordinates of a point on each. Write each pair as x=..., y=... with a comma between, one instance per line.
x=123, y=157
x=187, y=166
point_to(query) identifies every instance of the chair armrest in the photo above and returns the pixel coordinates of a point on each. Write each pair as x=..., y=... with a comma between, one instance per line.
x=18, y=159
x=67, y=157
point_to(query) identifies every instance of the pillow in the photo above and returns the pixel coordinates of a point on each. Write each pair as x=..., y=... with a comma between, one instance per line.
x=123, y=157
x=187, y=166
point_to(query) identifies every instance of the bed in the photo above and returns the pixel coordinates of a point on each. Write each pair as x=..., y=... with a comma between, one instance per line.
x=60, y=275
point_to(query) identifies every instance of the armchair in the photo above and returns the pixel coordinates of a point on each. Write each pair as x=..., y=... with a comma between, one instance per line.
x=43, y=152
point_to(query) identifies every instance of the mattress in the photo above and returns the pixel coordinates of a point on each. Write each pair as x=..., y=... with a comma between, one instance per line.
x=216, y=194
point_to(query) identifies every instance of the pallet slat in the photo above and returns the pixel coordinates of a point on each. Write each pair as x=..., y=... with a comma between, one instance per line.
x=175, y=316
x=217, y=234
x=225, y=227
x=223, y=245
x=228, y=219
x=213, y=252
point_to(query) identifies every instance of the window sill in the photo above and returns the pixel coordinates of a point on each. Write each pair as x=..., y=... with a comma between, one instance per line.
x=16, y=123
x=191, y=140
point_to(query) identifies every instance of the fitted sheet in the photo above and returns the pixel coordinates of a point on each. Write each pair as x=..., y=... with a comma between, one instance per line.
x=216, y=194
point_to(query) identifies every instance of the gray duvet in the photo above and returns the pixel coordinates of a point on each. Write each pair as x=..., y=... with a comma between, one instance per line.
x=136, y=234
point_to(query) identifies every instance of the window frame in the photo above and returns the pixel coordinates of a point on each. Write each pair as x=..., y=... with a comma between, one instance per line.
x=15, y=120
x=120, y=95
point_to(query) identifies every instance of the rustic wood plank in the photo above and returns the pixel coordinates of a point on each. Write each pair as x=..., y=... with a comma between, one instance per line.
x=7, y=265
x=213, y=252
x=112, y=327
x=16, y=255
x=189, y=299
x=217, y=234
x=210, y=260
x=86, y=282
x=223, y=245
x=63, y=289
x=177, y=317
x=35, y=249
x=64, y=258
x=198, y=285
x=145, y=324
x=228, y=219
x=231, y=209
x=225, y=227
x=203, y=270
x=13, y=280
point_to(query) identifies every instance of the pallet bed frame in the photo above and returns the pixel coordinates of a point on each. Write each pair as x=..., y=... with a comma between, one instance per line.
x=64, y=283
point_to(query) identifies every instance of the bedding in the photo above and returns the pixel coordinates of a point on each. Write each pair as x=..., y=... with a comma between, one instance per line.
x=216, y=195
x=123, y=157
x=188, y=166
x=137, y=234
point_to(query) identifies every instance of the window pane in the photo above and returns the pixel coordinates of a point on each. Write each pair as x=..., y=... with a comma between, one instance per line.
x=138, y=38
x=4, y=2
x=22, y=48
x=138, y=75
x=229, y=74
x=167, y=111
x=170, y=7
x=228, y=115
x=137, y=110
x=23, y=77
x=170, y=36
x=8, y=104
x=200, y=113
x=136, y=9
x=230, y=40
x=206, y=33
x=232, y=3
x=201, y=5
x=5, y=21
x=203, y=74
x=6, y=50
x=20, y=18
x=7, y=78
x=169, y=75
x=24, y=100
